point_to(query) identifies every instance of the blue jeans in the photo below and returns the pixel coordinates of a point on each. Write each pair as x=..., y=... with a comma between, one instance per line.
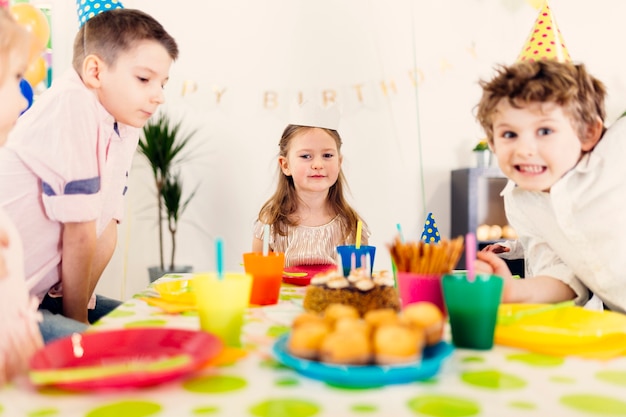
x=55, y=325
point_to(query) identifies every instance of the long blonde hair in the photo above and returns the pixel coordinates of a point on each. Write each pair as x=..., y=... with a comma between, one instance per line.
x=277, y=210
x=15, y=43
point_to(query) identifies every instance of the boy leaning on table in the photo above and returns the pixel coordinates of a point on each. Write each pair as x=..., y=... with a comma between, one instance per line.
x=64, y=170
x=544, y=118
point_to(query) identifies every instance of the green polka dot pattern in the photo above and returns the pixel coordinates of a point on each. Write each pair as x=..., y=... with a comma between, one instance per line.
x=443, y=406
x=285, y=408
x=126, y=409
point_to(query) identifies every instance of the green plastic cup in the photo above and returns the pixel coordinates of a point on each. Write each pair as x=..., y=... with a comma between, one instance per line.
x=472, y=308
x=222, y=304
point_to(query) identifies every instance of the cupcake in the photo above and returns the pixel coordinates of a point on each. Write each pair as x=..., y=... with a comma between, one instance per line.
x=306, y=318
x=349, y=324
x=397, y=344
x=381, y=316
x=305, y=340
x=347, y=348
x=426, y=317
x=336, y=311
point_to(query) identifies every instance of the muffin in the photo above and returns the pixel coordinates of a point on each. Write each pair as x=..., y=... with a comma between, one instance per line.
x=396, y=344
x=306, y=318
x=305, y=340
x=337, y=311
x=347, y=348
x=381, y=316
x=349, y=324
x=426, y=317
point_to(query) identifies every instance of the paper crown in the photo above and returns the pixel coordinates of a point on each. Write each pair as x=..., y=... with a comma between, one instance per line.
x=430, y=233
x=545, y=40
x=89, y=8
x=314, y=115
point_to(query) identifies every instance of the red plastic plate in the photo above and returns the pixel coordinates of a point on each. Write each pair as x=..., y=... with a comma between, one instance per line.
x=122, y=358
x=309, y=270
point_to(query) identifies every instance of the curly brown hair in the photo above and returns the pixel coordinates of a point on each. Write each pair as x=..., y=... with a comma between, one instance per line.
x=277, y=210
x=569, y=85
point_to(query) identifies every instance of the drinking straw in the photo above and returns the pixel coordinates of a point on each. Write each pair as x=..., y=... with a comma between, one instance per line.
x=400, y=232
x=368, y=264
x=339, y=263
x=219, y=257
x=359, y=226
x=470, y=255
x=266, y=239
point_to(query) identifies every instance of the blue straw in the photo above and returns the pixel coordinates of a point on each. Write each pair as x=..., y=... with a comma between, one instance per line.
x=219, y=257
x=400, y=232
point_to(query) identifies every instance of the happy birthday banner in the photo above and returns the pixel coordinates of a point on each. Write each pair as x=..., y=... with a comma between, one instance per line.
x=361, y=93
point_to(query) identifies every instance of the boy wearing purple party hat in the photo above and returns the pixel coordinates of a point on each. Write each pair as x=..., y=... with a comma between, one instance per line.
x=64, y=170
x=544, y=118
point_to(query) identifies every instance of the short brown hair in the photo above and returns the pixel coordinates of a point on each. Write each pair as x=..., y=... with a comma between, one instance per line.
x=566, y=84
x=109, y=33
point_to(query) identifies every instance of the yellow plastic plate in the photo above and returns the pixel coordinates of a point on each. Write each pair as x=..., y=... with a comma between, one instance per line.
x=564, y=331
x=177, y=291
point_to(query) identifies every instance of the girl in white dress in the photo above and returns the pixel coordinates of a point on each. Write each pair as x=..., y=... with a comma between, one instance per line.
x=308, y=214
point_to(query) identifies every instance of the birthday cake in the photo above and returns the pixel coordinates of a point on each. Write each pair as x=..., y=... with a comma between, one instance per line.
x=359, y=290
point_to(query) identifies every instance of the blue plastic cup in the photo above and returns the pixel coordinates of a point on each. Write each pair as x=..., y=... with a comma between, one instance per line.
x=346, y=252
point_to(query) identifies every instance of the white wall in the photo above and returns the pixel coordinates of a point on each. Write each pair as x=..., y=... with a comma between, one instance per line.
x=251, y=47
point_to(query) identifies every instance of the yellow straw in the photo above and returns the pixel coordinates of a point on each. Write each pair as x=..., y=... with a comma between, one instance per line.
x=359, y=226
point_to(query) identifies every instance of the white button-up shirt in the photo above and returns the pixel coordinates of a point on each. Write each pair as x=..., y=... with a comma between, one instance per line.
x=577, y=232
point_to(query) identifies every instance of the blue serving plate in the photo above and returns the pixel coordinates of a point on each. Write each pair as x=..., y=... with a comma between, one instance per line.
x=362, y=376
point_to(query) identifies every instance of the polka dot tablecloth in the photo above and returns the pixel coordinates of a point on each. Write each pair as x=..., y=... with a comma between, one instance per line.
x=500, y=382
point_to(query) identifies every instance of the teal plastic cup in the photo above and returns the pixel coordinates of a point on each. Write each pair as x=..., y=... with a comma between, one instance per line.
x=472, y=308
x=348, y=252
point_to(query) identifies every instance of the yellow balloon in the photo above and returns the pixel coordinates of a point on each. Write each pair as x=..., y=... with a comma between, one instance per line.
x=36, y=71
x=34, y=20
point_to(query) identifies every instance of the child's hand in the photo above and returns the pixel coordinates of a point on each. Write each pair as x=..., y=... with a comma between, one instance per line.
x=495, y=248
x=489, y=262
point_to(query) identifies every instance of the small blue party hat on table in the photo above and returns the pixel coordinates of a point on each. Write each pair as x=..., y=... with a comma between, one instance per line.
x=89, y=8
x=430, y=233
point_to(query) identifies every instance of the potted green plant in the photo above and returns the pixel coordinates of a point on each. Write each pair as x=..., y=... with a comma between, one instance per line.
x=483, y=154
x=165, y=145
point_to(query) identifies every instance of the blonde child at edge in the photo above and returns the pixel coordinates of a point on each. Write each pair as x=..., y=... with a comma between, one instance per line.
x=64, y=171
x=566, y=194
x=308, y=214
x=19, y=332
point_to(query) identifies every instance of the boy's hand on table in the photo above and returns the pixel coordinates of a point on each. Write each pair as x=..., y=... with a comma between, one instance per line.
x=491, y=263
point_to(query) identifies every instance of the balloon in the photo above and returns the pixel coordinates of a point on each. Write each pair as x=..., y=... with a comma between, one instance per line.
x=36, y=71
x=4, y=3
x=27, y=92
x=33, y=19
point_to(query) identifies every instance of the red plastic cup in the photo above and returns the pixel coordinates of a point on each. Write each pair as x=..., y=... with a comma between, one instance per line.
x=267, y=275
x=421, y=287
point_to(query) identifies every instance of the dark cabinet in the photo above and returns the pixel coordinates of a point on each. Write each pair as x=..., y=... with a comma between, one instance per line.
x=475, y=199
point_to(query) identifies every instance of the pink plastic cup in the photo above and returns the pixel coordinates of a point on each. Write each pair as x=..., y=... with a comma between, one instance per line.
x=421, y=287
